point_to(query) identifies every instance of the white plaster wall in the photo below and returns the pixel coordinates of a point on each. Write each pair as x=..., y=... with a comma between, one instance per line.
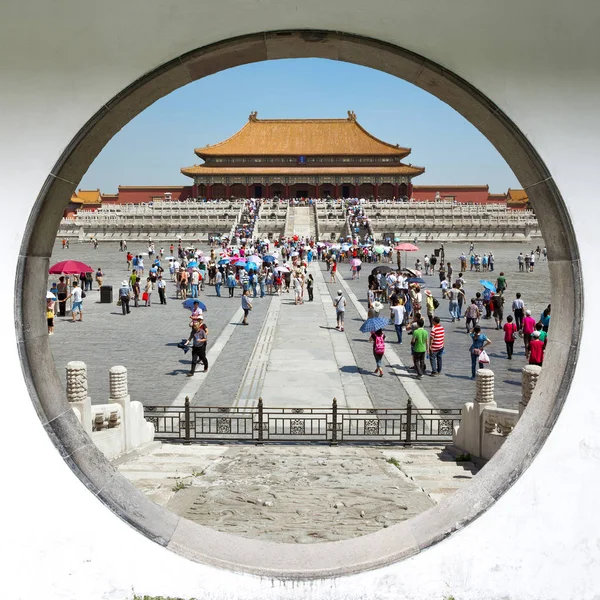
x=60, y=60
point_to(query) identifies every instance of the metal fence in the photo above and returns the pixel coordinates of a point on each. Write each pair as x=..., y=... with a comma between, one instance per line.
x=333, y=425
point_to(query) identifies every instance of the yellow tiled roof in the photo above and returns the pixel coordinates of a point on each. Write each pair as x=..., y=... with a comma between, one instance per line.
x=300, y=137
x=395, y=170
x=517, y=196
x=87, y=197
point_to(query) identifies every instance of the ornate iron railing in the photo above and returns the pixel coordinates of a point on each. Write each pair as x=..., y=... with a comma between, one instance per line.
x=260, y=424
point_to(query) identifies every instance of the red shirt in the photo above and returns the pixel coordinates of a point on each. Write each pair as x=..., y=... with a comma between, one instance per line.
x=509, y=329
x=536, y=352
x=528, y=325
x=437, y=338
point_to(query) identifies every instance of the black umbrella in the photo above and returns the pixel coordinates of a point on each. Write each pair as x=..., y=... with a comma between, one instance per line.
x=418, y=280
x=382, y=269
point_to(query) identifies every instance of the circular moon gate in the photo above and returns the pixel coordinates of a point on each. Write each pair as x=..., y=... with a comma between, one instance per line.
x=266, y=558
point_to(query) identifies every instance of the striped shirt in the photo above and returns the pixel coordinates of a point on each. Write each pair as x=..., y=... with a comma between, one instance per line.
x=437, y=338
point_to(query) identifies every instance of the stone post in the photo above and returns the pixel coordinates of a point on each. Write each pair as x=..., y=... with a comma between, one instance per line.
x=529, y=377
x=77, y=393
x=119, y=394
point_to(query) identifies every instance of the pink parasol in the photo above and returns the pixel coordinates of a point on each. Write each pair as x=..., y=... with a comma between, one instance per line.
x=70, y=267
x=406, y=247
x=356, y=262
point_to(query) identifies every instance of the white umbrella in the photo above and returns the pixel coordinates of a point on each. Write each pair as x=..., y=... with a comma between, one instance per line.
x=282, y=269
x=50, y=295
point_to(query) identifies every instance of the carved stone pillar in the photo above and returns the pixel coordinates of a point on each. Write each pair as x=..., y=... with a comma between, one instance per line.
x=77, y=393
x=529, y=377
x=119, y=394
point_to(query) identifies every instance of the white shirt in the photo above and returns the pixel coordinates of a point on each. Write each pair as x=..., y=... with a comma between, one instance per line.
x=398, y=312
x=76, y=294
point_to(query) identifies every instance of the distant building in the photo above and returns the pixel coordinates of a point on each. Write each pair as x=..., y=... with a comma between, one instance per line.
x=83, y=199
x=292, y=158
x=517, y=199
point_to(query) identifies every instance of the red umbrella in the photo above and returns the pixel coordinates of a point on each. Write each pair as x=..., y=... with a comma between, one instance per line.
x=406, y=247
x=70, y=267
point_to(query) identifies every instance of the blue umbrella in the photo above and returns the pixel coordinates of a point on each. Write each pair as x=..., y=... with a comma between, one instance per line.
x=224, y=261
x=488, y=285
x=268, y=258
x=418, y=280
x=189, y=304
x=374, y=324
x=192, y=263
x=240, y=263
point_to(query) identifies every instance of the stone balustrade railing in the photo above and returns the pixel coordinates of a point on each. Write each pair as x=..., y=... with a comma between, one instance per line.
x=117, y=427
x=484, y=427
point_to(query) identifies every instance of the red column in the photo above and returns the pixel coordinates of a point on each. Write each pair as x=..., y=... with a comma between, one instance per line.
x=410, y=190
x=209, y=192
x=287, y=190
x=396, y=191
x=195, y=190
x=267, y=191
x=376, y=190
x=337, y=195
x=227, y=191
x=356, y=186
x=247, y=191
x=317, y=191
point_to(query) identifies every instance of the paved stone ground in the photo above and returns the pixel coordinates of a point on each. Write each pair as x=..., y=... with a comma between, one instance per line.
x=145, y=341
x=295, y=493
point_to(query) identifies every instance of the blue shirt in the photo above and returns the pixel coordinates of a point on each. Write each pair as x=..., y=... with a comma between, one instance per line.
x=477, y=342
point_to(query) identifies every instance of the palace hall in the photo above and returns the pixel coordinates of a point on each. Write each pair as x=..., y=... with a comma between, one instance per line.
x=308, y=158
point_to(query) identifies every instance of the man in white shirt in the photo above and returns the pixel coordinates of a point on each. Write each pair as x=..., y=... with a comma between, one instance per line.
x=397, y=314
x=340, y=310
x=77, y=295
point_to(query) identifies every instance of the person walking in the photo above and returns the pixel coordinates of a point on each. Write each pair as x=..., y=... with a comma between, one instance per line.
x=472, y=315
x=340, y=310
x=518, y=308
x=162, y=289
x=501, y=284
x=198, y=338
x=430, y=305
x=218, y=283
x=510, y=335
x=545, y=318
x=50, y=303
x=536, y=349
x=78, y=295
x=246, y=306
x=310, y=282
x=99, y=278
x=498, y=310
x=436, y=346
x=452, y=296
x=480, y=341
x=231, y=283
x=124, y=297
x=332, y=271
x=528, y=329
x=419, y=345
x=148, y=292
x=378, y=339
x=397, y=316
x=62, y=293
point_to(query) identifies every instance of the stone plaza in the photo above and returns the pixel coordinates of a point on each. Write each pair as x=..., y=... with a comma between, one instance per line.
x=290, y=355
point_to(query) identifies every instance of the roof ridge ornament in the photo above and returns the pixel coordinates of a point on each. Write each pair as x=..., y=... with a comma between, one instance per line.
x=351, y=115
x=253, y=116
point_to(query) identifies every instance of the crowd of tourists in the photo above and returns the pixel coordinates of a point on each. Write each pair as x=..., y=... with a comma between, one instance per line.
x=411, y=306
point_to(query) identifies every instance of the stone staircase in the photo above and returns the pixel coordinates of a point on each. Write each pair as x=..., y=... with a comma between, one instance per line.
x=300, y=221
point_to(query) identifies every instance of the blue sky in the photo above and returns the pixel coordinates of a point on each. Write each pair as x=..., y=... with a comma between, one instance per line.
x=152, y=148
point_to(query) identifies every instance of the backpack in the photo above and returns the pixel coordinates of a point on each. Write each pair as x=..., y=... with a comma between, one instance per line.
x=379, y=344
x=436, y=303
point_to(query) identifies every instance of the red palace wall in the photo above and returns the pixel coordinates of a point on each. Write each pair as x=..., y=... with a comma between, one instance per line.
x=477, y=194
x=141, y=194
